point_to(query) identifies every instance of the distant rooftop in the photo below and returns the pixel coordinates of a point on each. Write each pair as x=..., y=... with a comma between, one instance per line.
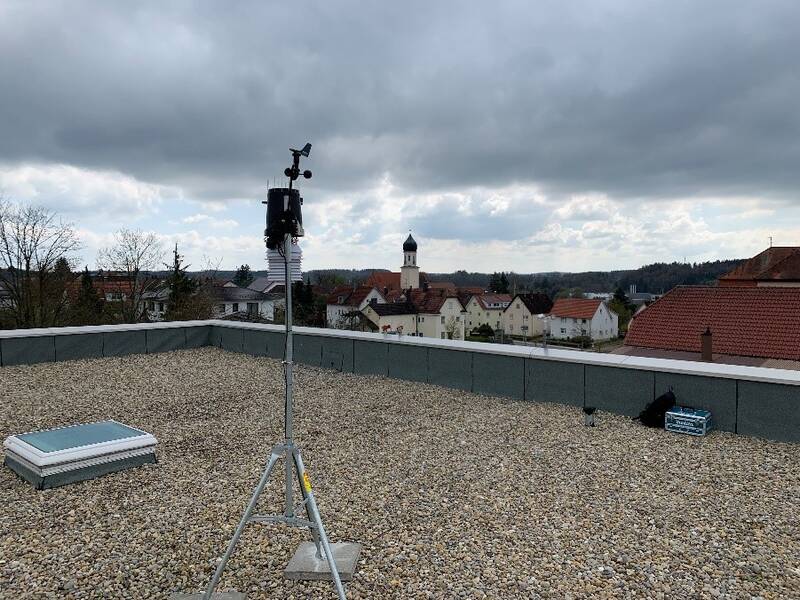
x=778, y=263
x=575, y=308
x=746, y=321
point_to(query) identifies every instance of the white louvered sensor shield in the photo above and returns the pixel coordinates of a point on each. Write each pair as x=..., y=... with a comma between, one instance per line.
x=276, y=267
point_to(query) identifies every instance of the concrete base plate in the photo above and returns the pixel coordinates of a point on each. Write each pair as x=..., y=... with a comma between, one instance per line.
x=306, y=565
x=214, y=596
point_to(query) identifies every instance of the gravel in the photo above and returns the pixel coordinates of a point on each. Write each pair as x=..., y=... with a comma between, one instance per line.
x=452, y=495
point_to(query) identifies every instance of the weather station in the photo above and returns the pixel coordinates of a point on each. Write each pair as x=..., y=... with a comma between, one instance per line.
x=319, y=558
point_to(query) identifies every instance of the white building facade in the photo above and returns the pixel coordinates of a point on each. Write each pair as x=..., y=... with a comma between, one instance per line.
x=520, y=317
x=342, y=303
x=486, y=309
x=449, y=322
x=575, y=317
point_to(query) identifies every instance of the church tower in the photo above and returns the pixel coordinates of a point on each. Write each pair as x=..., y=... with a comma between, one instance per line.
x=409, y=272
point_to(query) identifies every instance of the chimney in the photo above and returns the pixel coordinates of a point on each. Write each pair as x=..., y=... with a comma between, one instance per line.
x=706, y=349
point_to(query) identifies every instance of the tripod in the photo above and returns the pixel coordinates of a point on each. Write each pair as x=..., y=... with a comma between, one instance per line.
x=288, y=451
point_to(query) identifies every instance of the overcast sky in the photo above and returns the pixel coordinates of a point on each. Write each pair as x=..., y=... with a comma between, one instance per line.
x=524, y=136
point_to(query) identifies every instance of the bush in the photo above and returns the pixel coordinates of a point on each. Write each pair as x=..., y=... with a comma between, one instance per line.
x=483, y=331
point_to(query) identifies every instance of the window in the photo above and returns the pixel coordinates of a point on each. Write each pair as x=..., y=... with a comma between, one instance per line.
x=160, y=307
x=524, y=317
x=583, y=321
x=443, y=335
x=517, y=304
x=458, y=319
x=252, y=308
x=222, y=308
x=235, y=307
x=442, y=320
x=563, y=320
x=152, y=306
x=563, y=330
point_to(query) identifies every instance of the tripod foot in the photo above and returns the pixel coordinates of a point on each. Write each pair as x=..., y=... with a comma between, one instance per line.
x=306, y=566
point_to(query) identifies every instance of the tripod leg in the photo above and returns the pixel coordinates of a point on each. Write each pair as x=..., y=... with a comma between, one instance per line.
x=245, y=518
x=313, y=514
x=314, y=534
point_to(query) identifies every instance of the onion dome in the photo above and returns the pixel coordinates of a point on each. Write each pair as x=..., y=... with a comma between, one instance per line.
x=409, y=245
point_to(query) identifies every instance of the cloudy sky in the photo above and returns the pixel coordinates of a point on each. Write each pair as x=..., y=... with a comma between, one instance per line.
x=526, y=136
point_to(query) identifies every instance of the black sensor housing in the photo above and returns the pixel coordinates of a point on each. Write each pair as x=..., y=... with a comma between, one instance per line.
x=283, y=216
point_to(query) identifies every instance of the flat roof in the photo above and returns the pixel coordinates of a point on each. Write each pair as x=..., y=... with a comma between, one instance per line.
x=451, y=493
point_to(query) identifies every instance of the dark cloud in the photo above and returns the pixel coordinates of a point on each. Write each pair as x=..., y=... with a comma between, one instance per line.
x=630, y=99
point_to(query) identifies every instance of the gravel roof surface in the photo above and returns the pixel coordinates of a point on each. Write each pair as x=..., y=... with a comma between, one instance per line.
x=453, y=495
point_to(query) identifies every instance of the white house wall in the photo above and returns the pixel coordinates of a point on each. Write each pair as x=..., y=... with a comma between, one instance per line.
x=516, y=316
x=477, y=316
x=434, y=325
x=604, y=325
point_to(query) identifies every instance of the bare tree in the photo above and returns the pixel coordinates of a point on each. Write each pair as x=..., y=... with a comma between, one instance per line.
x=452, y=329
x=133, y=255
x=35, y=256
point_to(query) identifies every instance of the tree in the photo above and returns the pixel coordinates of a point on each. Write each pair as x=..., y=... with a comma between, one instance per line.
x=243, y=276
x=498, y=283
x=621, y=305
x=133, y=254
x=570, y=293
x=183, y=304
x=452, y=329
x=503, y=286
x=87, y=307
x=35, y=251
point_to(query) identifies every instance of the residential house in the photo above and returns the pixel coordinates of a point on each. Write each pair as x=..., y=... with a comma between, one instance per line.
x=235, y=300
x=777, y=266
x=486, y=309
x=156, y=302
x=395, y=317
x=575, y=317
x=440, y=315
x=520, y=317
x=345, y=303
x=750, y=325
x=424, y=313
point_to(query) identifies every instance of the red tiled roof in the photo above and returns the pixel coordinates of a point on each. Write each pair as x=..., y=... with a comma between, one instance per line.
x=744, y=321
x=485, y=299
x=442, y=285
x=348, y=295
x=381, y=280
x=384, y=279
x=576, y=308
x=342, y=292
x=101, y=287
x=776, y=263
x=430, y=301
